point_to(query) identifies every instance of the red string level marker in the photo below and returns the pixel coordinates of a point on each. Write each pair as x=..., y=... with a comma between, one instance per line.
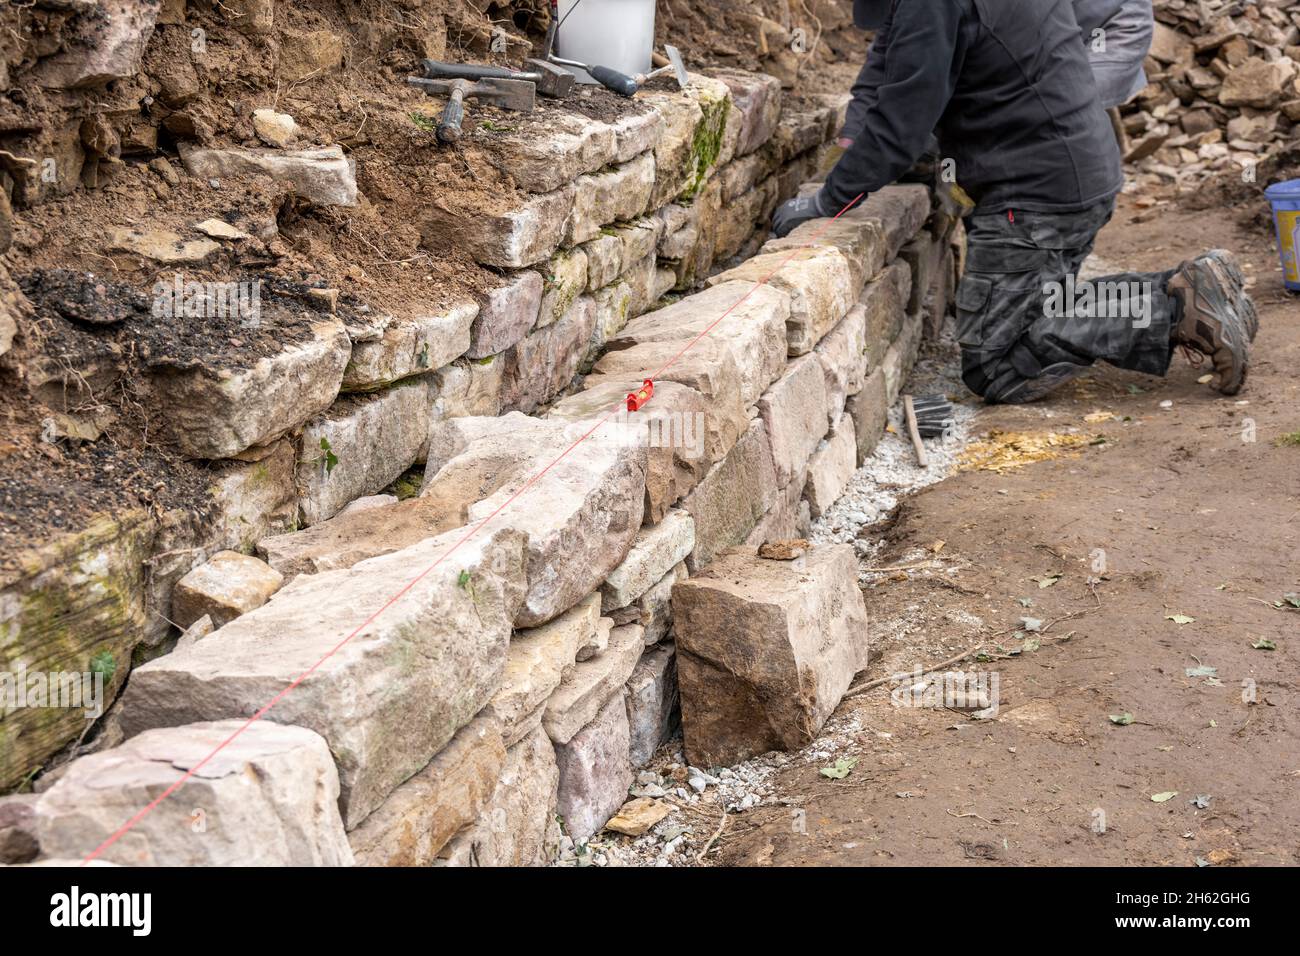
x=642, y=395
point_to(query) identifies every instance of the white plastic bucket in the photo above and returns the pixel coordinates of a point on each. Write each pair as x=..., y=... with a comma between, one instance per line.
x=619, y=34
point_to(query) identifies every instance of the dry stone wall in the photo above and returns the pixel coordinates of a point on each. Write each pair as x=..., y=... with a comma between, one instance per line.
x=502, y=702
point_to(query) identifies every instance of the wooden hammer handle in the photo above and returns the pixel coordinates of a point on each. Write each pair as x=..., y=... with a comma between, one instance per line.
x=452, y=115
x=909, y=409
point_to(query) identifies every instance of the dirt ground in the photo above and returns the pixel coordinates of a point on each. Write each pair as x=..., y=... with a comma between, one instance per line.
x=1195, y=521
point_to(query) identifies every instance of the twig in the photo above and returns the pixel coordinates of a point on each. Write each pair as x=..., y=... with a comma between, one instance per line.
x=871, y=684
x=716, y=833
x=1068, y=617
x=904, y=567
x=978, y=648
x=975, y=815
x=1272, y=605
x=104, y=257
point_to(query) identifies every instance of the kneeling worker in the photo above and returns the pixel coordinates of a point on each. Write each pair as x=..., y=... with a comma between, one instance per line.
x=1007, y=87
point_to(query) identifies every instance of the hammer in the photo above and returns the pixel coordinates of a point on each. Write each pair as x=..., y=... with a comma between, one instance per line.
x=515, y=95
x=549, y=78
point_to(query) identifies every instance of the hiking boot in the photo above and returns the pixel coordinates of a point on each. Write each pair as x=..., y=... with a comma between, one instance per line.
x=1245, y=307
x=1212, y=323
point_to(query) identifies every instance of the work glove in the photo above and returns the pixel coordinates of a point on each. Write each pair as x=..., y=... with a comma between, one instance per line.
x=795, y=212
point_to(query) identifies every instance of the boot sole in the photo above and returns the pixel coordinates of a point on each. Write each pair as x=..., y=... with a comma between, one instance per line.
x=1245, y=307
x=1230, y=329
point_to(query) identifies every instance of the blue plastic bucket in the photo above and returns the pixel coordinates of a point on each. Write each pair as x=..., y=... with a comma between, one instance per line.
x=1285, y=198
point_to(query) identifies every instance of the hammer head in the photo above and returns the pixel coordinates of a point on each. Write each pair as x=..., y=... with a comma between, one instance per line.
x=517, y=95
x=550, y=79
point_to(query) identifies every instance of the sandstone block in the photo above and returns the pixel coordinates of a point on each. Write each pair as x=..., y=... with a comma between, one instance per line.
x=97, y=579
x=732, y=497
x=655, y=551
x=268, y=798
x=749, y=322
x=228, y=585
x=518, y=826
x=672, y=429
x=595, y=772
x=636, y=133
x=351, y=537
x=322, y=175
x=765, y=651
x=620, y=193
x=708, y=367
x=580, y=516
x=901, y=356
x=696, y=137
x=831, y=467
x=417, y=820
x=570, y=146
x=789, y=516
x=795, y=413
x=544, y=362
x=870, y=411
x=468, y=388
x=843, y=357
x=539, y=659
x=521, y=234
x=410, y=345
x=221, y=415
x=651, y=702
x=604, y=260
x=862, y=242
x=505, y=314
x=565, y=275
x=885, y=301
x=800, y=131
x=254, y=499
x=639, y=239
x=900, y=209
x=361, y=445
x=654, y=609
x=592, y=683
x=757, y=98
x=819, y=281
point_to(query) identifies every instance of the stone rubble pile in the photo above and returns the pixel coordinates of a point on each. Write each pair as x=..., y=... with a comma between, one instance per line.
x=1223, y=91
